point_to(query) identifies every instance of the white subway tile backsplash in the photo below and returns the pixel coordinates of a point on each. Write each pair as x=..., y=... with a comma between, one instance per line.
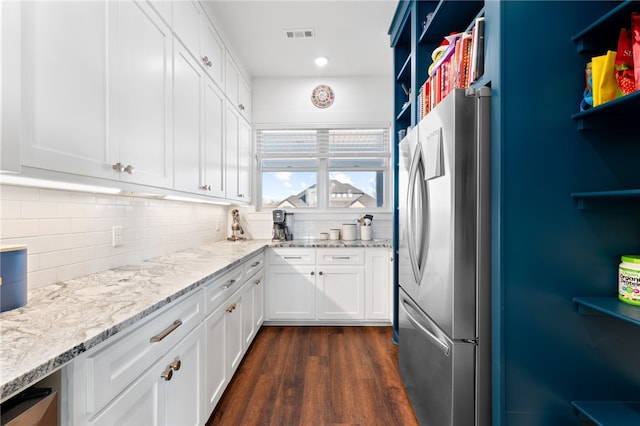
x=18, y=228
x=38, y=209
x=68, y=234
x=10, y=209
x=54, y=259
x=54, y=226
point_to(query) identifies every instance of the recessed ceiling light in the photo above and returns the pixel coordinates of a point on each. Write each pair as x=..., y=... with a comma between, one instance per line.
x=321, y=61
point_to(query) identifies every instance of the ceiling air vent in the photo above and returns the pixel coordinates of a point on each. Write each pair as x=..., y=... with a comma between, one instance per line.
x=299, y=33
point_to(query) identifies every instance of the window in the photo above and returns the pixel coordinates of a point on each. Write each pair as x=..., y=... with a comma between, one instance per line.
x=324, y=168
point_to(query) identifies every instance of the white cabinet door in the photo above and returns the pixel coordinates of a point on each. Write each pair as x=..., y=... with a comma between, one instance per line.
x=235, y=347
x=292, y=292
x=213, y=52
x=65, y=86
x=216, y=361
x=213, y=176
x=340, y=292
x=248, y=326
x=187, y=17
x=187, y=115
x=244, y=161
x=182, y=397
x=258, y=301
x=237, y=89
x=379, y=284
x=237, y=154
x=244, y=99
x=140, y=102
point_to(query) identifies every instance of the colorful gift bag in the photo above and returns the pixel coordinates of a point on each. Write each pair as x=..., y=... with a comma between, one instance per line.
x=603, y=78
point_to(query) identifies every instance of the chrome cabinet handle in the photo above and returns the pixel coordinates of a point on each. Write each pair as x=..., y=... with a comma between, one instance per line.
x=129, y=169
x=254, y=264
x=118, y=167
x=167, y=374
x=320, y=273
x=341, y=257
x=206, y=187
x=207, y=61
x=293, y=257
x=231, y=282
x=241, y=195
x=313, y=273
x=241, y=107
x=165, y=333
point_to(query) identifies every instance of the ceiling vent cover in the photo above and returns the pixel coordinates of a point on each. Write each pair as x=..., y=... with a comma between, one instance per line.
x=299, y=33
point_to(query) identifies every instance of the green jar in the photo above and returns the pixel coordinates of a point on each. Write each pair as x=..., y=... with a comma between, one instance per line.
x=629, y=279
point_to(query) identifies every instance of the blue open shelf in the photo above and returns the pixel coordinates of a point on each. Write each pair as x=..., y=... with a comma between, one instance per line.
x=587, y=200
x=611, y=306
x=609, y=413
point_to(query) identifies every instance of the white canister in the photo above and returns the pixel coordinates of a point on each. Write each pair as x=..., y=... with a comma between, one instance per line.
x=629, y=279
x=324, y=235
x=334, y=234
x=366, y=233
x=348, y=231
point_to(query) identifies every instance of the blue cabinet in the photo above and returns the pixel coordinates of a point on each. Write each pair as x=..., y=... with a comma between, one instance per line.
x=565, y=197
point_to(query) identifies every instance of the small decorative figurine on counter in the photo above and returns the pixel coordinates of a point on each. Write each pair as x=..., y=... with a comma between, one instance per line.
x=235, y=226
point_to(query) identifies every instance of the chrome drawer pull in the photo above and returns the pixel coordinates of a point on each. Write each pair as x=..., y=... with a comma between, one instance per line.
x=232, y=282
x=293, y=257
x=254, y=264
x=168, y=331
x=341, y=257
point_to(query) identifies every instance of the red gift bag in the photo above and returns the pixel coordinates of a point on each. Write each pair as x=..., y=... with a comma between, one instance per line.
x=635, y=40
x=624, y=64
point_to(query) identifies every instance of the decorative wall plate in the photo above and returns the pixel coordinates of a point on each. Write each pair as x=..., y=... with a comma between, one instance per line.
x=322, y=96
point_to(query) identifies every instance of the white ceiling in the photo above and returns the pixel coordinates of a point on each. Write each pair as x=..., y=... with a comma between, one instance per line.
x=352, y=34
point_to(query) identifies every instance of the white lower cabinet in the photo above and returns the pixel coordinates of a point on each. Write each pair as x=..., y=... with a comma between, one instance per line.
x=167, y=394
x=329, y=284
x=292, y=292
x=172, y=367
x=103, y=382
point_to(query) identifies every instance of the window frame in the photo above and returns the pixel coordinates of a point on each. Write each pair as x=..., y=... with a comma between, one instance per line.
x=322, y=170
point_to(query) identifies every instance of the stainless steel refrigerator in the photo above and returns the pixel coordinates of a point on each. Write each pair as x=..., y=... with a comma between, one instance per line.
x=444, y=262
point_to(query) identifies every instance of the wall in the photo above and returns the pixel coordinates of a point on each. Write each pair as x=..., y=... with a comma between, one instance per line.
x=68, y=234
x=287, y=102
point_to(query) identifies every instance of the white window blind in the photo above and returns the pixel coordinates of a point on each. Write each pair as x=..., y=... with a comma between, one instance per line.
x=323, y=143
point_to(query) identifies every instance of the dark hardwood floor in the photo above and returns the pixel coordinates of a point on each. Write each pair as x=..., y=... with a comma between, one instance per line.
x=317, y=376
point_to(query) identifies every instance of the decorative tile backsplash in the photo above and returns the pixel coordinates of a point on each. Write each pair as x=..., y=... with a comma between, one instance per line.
x=69, y=234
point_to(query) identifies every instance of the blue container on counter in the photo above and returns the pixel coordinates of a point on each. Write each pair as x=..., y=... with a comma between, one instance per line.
x=13, y=277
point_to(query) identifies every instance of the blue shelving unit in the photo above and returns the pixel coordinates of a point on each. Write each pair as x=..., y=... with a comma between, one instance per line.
x=608, y=306
x=609, y=413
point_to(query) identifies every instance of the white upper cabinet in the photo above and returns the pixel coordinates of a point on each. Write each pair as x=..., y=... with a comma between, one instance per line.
x=65, y=86
x=238, y=156
x=193, y=28
x=140, y=104
x=213, y=169
x=213, y=52
x=237, y=89
x=187, y=119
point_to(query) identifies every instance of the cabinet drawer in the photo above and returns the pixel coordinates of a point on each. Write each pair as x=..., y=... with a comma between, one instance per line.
x=112, y=367
x=286, y=256
x=340, y=256
x=221, y=288
x=253, y=265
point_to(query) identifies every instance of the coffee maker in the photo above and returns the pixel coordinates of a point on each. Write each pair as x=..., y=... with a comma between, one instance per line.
x=282, y=225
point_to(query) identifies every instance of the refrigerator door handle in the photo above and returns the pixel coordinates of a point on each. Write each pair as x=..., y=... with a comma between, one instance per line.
x=440, y=344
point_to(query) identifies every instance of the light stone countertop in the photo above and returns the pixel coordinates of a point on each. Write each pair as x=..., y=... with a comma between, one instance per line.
x=63, y=320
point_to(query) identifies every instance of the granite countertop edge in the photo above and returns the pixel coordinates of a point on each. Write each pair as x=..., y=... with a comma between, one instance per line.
x=191, y=268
